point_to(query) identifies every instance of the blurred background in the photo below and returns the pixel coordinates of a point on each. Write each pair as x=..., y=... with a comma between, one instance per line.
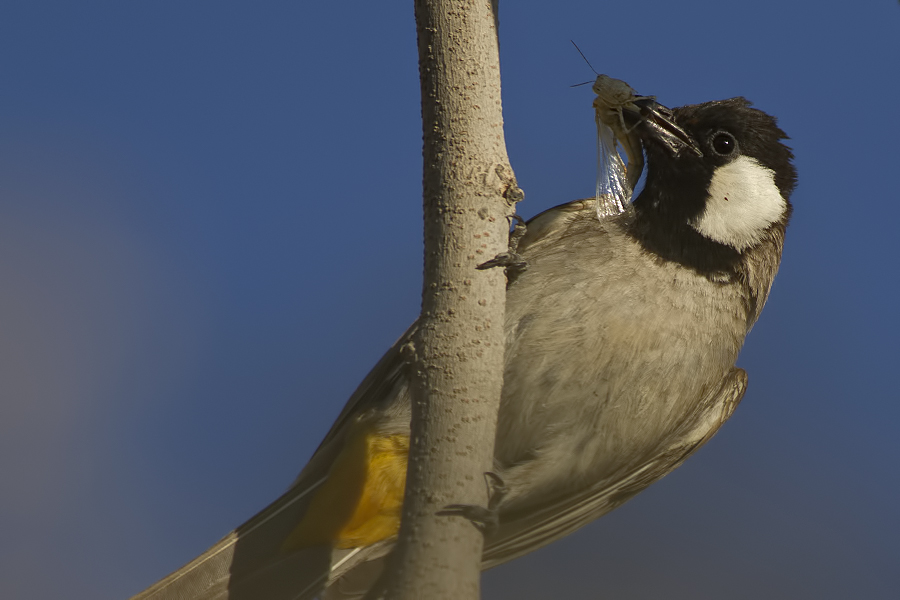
x=210, y=229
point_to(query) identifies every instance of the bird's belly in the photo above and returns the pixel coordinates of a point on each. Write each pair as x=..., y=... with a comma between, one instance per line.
x=602, y=387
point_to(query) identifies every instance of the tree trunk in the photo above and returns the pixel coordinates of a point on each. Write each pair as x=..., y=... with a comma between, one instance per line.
x=456, y=357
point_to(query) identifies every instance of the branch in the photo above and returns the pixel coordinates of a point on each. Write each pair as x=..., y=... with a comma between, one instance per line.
x=456, y=357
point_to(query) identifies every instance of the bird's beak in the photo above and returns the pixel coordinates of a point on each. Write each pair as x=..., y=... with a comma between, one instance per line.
x=645, y=119
x=655, y=120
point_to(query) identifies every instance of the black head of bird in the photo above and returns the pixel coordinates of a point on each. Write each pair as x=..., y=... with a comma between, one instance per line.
x=719, y=180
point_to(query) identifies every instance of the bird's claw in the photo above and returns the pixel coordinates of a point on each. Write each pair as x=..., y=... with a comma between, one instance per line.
x=485, y=519
x=510, y=260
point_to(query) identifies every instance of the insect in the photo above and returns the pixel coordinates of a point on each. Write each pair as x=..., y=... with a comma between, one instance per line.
x=614, y=95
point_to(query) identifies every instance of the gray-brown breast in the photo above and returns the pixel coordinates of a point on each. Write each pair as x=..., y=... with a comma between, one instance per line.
x=608, y=349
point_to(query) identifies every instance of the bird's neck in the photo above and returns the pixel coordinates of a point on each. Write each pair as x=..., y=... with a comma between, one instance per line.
x=661, y=226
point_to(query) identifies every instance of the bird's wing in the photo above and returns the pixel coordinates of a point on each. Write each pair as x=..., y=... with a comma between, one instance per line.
x=374, y=391
x=546, y=227
x=521, y=533
x=250, y=563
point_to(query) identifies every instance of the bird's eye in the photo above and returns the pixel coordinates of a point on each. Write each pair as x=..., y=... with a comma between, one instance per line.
x=723, y=143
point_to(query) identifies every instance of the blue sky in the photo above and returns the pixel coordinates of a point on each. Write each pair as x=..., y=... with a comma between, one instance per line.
x=210, y=230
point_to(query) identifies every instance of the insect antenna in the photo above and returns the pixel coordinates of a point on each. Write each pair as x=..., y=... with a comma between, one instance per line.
x=588, y=64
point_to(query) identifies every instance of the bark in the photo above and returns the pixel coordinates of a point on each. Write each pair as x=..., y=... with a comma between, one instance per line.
x=456, y=358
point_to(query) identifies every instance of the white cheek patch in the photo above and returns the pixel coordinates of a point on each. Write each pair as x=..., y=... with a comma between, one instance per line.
x=743, y=202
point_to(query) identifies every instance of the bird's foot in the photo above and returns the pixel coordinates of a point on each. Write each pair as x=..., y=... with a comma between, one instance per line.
x=510, y=260
x=485, y=519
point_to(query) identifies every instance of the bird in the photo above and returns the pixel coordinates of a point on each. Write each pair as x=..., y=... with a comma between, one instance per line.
x=622, y=335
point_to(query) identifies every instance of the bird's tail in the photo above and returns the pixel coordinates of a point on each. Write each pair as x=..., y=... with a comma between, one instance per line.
x=251, y=563
x=302, y=545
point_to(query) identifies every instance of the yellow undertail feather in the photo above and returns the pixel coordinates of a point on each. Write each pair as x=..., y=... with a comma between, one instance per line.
x=360, y=502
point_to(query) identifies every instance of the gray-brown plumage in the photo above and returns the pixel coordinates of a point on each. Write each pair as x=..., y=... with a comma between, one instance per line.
x=622, y=336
